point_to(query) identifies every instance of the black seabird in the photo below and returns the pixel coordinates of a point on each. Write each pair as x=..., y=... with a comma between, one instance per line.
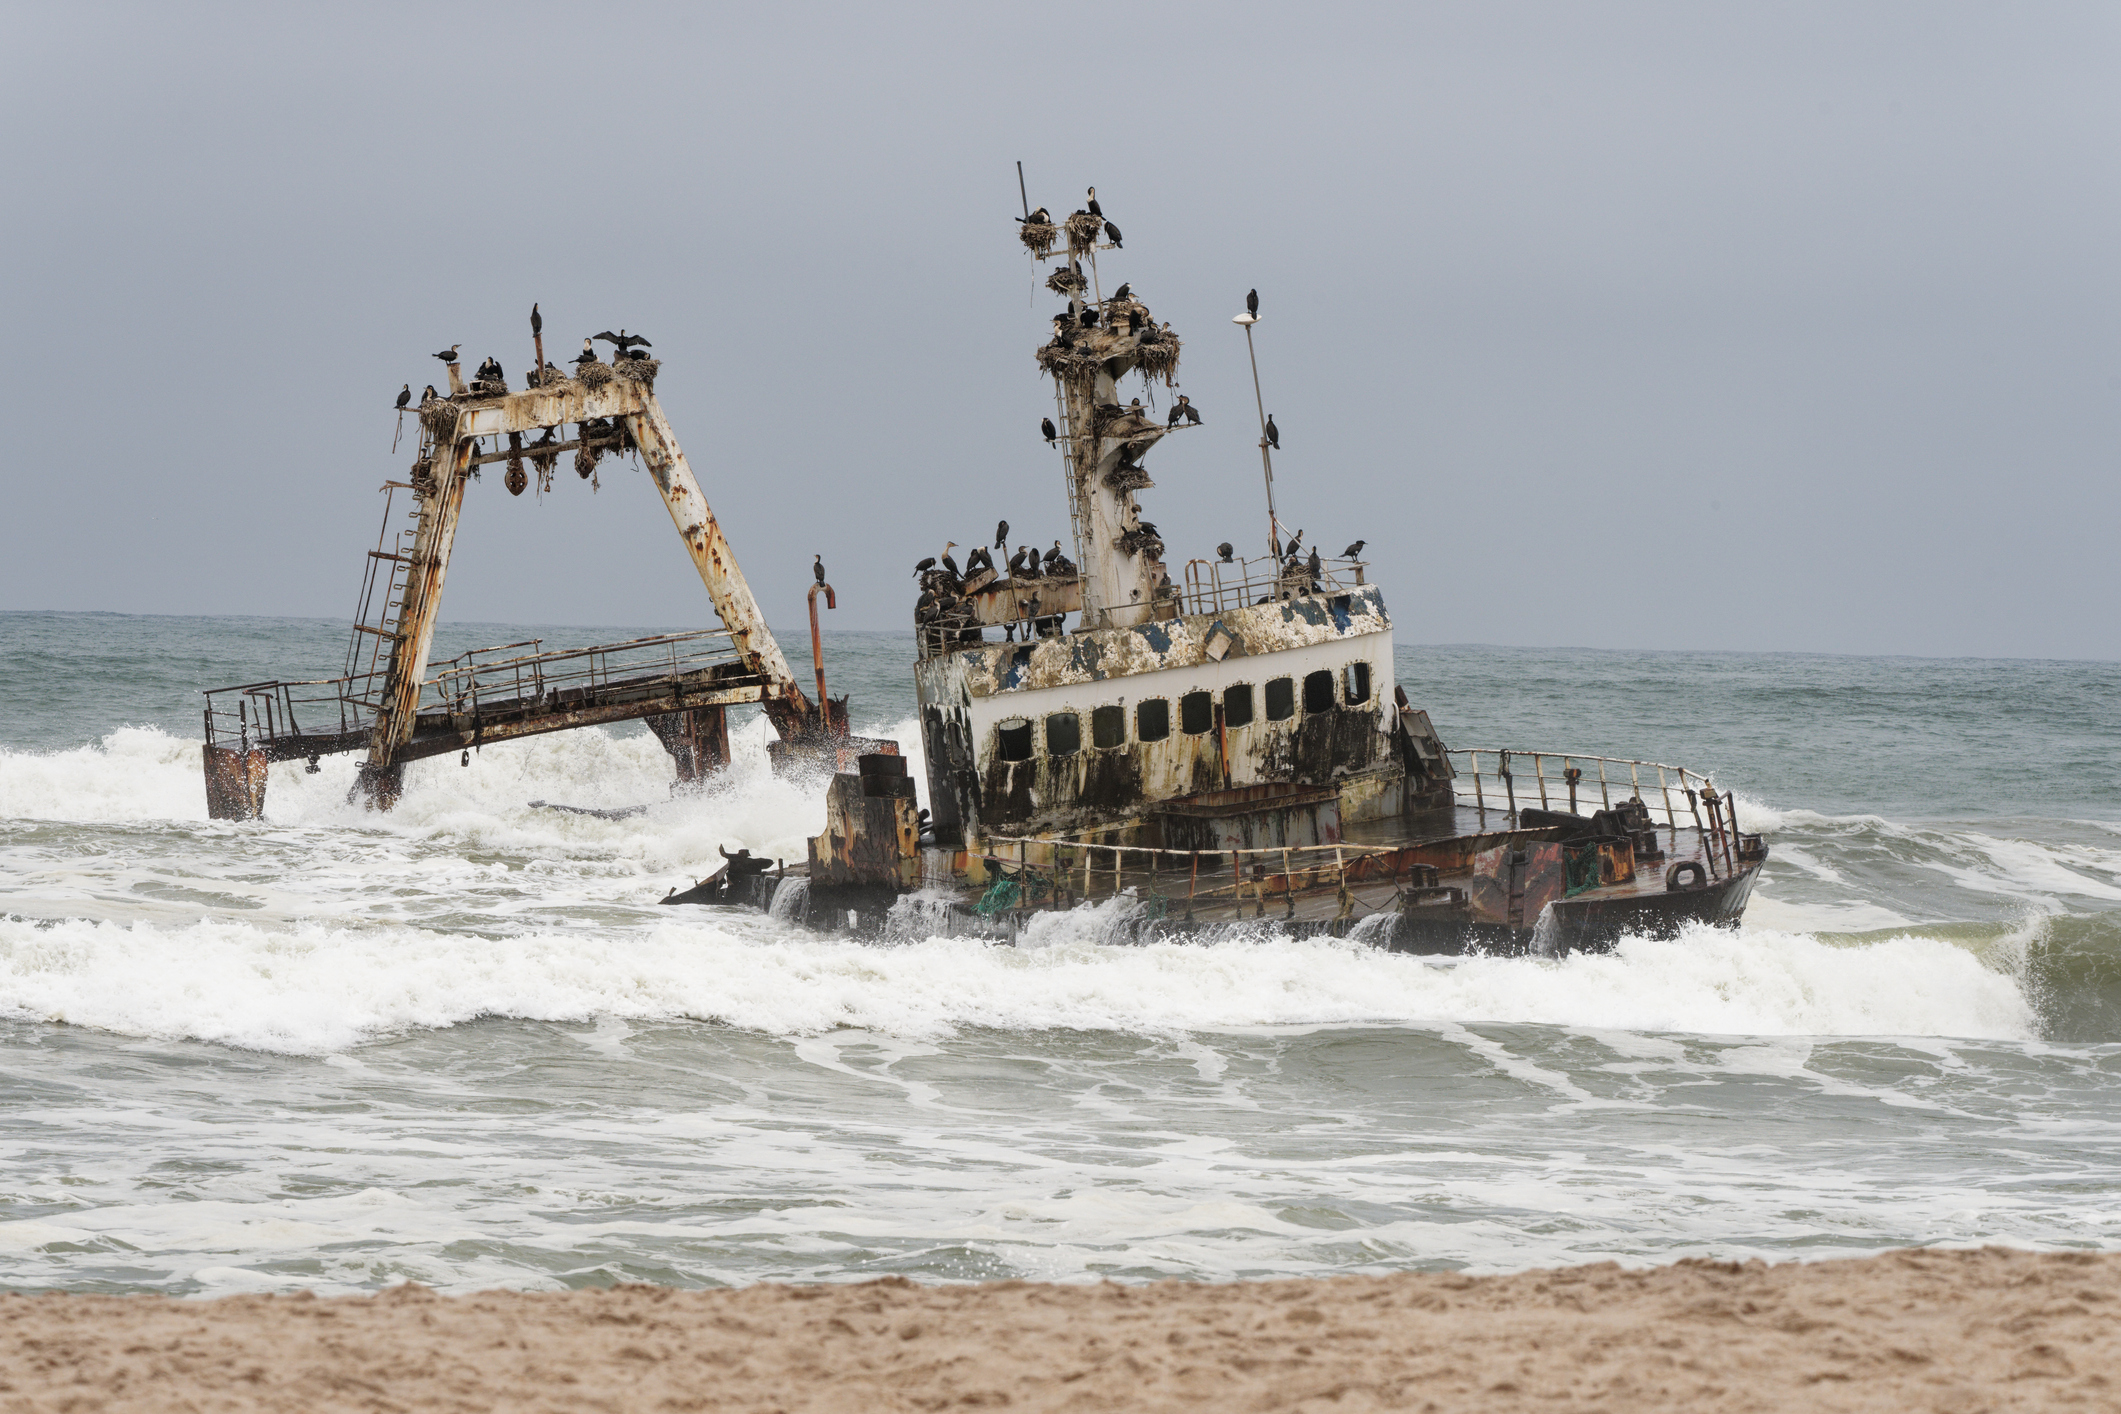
x=1089, y=316
x=1134, y=321
x=1186, y=410
x=925, y=565
x=1001, y=534
x=449, y=355
x=817, y=569
x=404, y=395
x=1172, y=420
x=1125, y=291
x=1016, y=561
x=1273, y=433
x=537, y=321
x=1112, y=235
x=1295, y=544
x=1314, y=564
x=1045, y=425
x=1354, y=551
x=429, y=396
x=1093, y=208
x=622, y=340
x=1225, y=550
x=1252, y=303
x=948, y=563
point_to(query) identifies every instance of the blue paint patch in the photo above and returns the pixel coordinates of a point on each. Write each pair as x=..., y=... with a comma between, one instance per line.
x=1158, y=636
x=1019, y=663
x=1339, y=606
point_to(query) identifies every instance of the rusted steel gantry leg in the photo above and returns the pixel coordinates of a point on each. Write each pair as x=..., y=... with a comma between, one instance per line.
x=383, y=775
x=791, y=713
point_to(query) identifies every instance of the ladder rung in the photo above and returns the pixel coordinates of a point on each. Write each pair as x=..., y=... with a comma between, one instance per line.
x=386, y=555
x=378, y=632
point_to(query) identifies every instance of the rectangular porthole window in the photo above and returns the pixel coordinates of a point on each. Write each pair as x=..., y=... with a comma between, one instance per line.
x=1318, y=691
x=1015, y=735
x=1064, y=734
x=1152, y=720
x=1196, y=713
x=1108, y=727
x=1237, y=705
x=1358, y=684
x=1281, y=699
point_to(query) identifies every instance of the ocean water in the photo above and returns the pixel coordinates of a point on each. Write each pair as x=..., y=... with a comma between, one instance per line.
x=460, y=1043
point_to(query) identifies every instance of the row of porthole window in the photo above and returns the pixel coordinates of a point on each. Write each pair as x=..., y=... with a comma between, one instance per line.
x=1196, y=713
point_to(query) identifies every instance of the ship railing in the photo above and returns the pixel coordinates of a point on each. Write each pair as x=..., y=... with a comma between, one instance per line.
x=1064, y=872
x=478, y=677
x=259, y=713
x=1495, y=778
x=254, y=714
x=1217, y=586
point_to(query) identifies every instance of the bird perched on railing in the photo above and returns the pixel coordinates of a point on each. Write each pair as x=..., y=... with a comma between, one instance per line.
x=1354, y=552
x=622, y=341
x=1046, y=427
x=404, y=395
x=1225, y=550
x=817, y=569
x=449, y=355
x=1112, y=235
x=1316, y=566
x=1295, y=543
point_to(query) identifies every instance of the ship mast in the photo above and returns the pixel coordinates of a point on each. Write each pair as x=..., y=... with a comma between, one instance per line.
x=1124, y=581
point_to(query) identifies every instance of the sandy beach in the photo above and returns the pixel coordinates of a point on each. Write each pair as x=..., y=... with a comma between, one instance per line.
x=1912, y=1330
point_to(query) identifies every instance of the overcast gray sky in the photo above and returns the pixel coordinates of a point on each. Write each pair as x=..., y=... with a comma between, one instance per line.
x=1770, y=326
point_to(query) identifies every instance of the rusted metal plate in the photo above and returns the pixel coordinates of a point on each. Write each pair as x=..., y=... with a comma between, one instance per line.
x=235, y=782
x=872, y=827
x=538, y=408
x=1513, y=883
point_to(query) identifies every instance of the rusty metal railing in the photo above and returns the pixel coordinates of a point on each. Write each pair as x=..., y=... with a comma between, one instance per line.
x=1565, y=780
x=1215, y=586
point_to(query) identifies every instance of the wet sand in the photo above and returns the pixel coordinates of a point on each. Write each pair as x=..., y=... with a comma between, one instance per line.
x=1913, y=1330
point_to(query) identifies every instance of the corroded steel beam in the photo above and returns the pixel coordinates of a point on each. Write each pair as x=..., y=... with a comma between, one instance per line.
x=716, y=562
x=536, y=408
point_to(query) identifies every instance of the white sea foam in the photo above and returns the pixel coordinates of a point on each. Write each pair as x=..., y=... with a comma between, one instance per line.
x=310, y=988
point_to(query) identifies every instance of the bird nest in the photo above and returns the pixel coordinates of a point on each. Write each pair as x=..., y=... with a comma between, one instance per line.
x=593, y=374
x=1038, y=237
x=1158, y=360
x=1137, y=542
x=1127, y=477
x=440, y=419
x=548, y=377
x=1065, y=360
x=1065, y=280
x=1083, y=230
x=640, y=370
x=488, y=387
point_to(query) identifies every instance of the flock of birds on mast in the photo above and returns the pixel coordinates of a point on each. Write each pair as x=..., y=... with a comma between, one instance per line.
x=490, y=372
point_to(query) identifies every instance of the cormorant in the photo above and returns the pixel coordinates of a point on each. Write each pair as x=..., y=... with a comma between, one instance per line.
x=817, y=569
x=1273, y=433
x=1295, y=544
x=1134, y=321
x=404, y=395
x=1038, y=217
x=1186, y=410
x=1089, y=319
x=1045, y=425
x=537, y=320
x=1125, y=291
x=978, y=560
x=449, y=355
x=925, y=565
x=1354, y=551
x=429, y=396
x=948, y=563
x=1016, y=561
x=1315, y=565
x=1093, y=208
x=1001, y=535
x=1172, y=420
x=622, y=340
x=1252, y=303
x=1112, y=235
x=1225, y=550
